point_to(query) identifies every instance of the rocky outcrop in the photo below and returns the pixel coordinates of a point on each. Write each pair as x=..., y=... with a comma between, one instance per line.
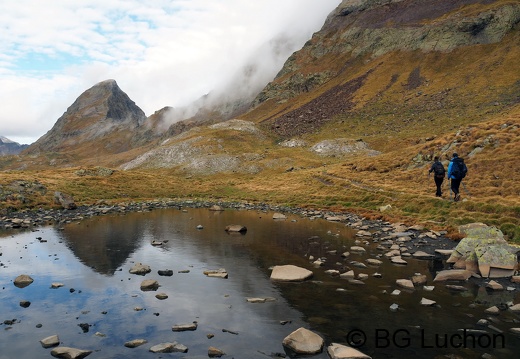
x=485, y=251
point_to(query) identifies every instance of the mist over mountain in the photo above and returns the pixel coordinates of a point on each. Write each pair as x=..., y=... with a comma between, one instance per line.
x=378, y=68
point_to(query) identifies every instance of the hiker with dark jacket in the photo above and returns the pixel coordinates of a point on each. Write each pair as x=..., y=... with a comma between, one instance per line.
x=438, y=174
x=456, y=172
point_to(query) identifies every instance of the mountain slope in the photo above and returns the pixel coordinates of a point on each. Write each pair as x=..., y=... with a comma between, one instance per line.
x=102, y=121
x=403, y=68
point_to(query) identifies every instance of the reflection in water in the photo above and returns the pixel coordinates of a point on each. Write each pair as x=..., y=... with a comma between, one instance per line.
x=92, y=260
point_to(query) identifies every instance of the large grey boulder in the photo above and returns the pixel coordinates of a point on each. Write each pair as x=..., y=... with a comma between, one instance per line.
x=304, y=341
x=290, y=273
x=484, y=251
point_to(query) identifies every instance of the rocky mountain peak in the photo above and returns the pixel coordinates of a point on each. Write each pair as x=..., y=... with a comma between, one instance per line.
x=97, y=114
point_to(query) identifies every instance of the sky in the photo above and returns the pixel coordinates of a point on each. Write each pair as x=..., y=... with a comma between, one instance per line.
x=160, y=52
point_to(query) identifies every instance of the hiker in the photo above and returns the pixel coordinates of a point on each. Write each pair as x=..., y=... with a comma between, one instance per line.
x=438, y=174
x=456, y=172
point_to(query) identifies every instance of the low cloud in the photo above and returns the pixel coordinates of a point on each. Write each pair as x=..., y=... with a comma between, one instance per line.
x=161, y=54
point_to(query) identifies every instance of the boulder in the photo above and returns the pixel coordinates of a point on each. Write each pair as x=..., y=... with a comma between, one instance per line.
x=51, y=341
x=405, y=283
x=184, y=327
x=452, y=274
x=496, y=256
x=215, y=352
x=140, y=269
x=427, y=302
x=70, y=353
x=23, y=280
x=219, y=273
x=135, y=343
x=290, y=273
x=168, y=348
x=216, y=208
x=279, y=216
x=65, y=200
x=237, y=228
x=149, y=285
x=338, y=351
x=304, y=341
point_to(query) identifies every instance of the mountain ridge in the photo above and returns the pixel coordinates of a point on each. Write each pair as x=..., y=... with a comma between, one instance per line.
x=351, y=122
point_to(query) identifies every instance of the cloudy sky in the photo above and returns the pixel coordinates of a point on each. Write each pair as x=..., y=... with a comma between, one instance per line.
x=160, y=52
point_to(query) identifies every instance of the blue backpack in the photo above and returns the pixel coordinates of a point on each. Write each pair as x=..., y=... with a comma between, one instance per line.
x=458, y=168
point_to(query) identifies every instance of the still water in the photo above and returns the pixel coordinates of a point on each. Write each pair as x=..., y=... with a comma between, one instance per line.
x=92, y=260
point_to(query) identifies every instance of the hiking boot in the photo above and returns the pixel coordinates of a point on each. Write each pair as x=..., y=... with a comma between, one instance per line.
x=457, y=197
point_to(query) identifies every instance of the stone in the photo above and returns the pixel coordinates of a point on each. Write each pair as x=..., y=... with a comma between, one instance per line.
x=218, y=273
x=395, y=292
x=405, y=283
x=357, y=249
x=339, y=351
x=165, y=272
x=279, y=216
x=398, y=260
x=56, y=285
x=135, y=343
x=304, y=341
x=149, y=285
x=70, y=353
x=422, y=255
x=216, y=208
x=140, y=269
x=161, y=296
x=184, y=327
x=427, y=302
x=374, y=262
x=236, y=228
x=419, y=279
x=347, y=275
x=290, y=273
x=494, y=285
x=215, y=352
x=515, y=331
x=51, y=341
x=492, y=310
x=428, y=288
x=23, y=280
x=260, y=300
x=65, y=200
x=394, y=307
x=444, y=252
x=452, y=274
x=25, y=303
x=457, y=288
x=168, y=348
x=495, y=256
x=515, y=308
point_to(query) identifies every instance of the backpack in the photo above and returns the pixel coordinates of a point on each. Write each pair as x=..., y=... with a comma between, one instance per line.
x=438, y=170
x=458, y=168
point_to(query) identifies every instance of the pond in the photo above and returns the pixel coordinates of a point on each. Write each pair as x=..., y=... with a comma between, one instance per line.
x=101, y=305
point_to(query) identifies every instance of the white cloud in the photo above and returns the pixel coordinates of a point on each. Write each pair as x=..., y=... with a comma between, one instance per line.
x=161, y=52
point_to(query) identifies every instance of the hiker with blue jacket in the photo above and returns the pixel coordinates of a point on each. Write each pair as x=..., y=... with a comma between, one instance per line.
x=438, y=174
x=456, y=172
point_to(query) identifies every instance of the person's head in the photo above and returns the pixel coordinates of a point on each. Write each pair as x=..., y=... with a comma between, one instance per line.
x=436, y=158
x=455, y=155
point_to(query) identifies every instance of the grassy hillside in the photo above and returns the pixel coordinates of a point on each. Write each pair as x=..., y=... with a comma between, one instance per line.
x=409, y=105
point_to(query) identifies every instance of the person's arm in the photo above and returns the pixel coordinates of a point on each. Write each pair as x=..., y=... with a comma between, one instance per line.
x=449, y=169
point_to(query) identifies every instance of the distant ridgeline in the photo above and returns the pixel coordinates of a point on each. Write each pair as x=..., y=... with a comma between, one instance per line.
x=8, y=147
